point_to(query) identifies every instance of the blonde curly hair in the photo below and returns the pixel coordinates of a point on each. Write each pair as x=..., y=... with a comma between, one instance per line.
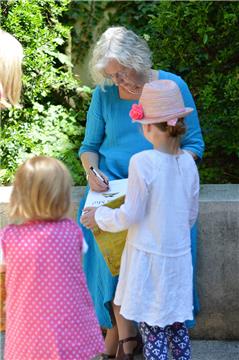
x=11, y=55
x=41, y=190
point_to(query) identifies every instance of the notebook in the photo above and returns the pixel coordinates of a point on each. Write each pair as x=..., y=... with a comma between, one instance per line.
x=110, y=244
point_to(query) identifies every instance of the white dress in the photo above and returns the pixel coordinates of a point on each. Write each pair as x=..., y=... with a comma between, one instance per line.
x=155, y=281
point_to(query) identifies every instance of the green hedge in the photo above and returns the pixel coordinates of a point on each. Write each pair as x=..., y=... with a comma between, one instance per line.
x=52, y=118
x=200, y=42
x=197, y=40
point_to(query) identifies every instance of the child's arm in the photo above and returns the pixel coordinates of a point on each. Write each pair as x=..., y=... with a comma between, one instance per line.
x=194, y=202
x=131, y=212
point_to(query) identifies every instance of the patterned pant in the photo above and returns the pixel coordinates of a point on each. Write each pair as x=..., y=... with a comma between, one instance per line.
x=157, y=341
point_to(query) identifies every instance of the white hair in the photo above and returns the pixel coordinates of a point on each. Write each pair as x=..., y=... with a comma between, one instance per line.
x=11, y=55
x=125, y=47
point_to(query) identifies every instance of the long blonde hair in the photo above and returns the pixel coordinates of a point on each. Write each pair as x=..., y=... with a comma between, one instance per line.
x=41, y=190
x=11, y=55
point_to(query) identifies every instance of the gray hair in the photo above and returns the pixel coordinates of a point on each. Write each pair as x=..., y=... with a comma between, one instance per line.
x=122, y=45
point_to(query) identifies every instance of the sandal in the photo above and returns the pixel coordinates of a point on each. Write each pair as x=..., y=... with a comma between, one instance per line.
x=121, y=355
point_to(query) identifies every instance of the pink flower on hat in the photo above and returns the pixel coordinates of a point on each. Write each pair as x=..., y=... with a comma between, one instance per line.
x=136, y=112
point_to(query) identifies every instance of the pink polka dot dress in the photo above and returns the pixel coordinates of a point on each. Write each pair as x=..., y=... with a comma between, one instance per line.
x=49, y=312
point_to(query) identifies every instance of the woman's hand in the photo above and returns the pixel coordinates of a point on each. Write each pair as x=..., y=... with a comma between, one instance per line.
x=88, y=217
x=91, y=160
x=97, y=184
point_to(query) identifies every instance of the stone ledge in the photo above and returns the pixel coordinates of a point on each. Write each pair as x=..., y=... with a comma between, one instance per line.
x=208, y=192
x=219, y=192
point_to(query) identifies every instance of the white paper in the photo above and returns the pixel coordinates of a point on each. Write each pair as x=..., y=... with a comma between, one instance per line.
x=117, y=188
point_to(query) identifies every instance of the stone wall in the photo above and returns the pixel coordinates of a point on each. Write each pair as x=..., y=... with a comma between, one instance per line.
x=218, y=263
x=218, y=258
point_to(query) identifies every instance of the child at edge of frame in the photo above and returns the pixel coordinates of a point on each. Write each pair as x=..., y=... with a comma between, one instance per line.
x=11, y=56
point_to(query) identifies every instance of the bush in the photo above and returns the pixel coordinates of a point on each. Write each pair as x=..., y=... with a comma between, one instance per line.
x=52, y=119
x=199, y=41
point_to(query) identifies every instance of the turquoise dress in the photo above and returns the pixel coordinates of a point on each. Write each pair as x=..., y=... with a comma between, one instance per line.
x=111, y=134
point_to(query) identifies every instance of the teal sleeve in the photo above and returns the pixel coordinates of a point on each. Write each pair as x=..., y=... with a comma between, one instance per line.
x=95, y=125
x=192, y=140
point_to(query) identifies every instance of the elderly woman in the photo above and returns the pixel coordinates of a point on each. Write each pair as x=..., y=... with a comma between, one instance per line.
x=11, y=55
x=120, y=66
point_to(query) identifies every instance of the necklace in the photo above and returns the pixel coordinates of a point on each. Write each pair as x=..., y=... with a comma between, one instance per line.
x=137, y=92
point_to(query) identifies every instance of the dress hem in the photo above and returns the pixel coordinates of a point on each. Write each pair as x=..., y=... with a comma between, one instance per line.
x=137, y=319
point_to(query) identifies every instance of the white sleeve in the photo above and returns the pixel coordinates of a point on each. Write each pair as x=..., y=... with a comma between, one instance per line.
x=194, y=202
x=133, y=210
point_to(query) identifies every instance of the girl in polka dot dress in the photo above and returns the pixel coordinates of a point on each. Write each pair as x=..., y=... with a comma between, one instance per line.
x=49, y=313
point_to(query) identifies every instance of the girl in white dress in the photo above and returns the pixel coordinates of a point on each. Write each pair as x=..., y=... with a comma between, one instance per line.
x=161, y=206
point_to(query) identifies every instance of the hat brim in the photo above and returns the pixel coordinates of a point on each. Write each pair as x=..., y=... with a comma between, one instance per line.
x=161, y=119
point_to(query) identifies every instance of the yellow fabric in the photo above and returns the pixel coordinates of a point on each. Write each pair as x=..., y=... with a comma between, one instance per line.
x=110, y=244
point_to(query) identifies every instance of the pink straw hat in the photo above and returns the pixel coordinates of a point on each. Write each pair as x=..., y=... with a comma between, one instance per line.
x=160, y=101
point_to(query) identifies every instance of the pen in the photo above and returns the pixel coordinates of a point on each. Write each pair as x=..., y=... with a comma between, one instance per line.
x=98, y=175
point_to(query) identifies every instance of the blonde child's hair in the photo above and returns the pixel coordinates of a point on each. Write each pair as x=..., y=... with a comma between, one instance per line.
x=41, y=190
x=11, y=55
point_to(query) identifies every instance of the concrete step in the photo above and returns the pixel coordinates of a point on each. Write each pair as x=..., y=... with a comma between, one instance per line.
x=202, y=350
x=213, y=350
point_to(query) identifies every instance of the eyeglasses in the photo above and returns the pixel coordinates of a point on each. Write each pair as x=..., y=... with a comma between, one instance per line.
x=120, y=75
